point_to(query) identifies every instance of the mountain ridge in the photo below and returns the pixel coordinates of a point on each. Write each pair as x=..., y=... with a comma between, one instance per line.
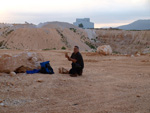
x=137, y=25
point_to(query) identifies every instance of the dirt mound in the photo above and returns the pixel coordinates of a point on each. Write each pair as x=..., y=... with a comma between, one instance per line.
x=45, y=38
x=30, y=38
x=56, y=25
x=26, y=25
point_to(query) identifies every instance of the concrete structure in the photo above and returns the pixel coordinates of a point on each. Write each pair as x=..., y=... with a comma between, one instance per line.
x=84, y=23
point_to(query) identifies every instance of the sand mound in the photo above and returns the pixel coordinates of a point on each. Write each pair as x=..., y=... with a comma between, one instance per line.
x=49, y=35
x=44, y=38
x=56, y=25
x=26, y=25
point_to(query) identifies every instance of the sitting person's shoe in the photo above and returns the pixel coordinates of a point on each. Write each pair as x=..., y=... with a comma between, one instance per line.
x=80, y=74
x=73, y=75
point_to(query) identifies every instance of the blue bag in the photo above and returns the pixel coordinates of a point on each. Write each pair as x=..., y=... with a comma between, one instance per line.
x=33, y=71
x=46, y=68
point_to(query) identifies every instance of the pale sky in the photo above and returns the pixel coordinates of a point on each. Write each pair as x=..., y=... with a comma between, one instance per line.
x=104, y=13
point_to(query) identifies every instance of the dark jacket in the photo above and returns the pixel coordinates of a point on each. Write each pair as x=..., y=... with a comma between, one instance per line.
x=79, y=59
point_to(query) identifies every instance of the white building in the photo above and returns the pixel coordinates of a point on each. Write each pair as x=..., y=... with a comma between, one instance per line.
x=84, y=23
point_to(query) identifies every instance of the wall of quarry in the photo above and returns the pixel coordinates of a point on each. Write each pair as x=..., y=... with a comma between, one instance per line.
x=124, y=42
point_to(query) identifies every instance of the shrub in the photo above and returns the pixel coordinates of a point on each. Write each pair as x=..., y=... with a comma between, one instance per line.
x=116, y=52
x=63, y=48
x=1, y=43
x=9, y=32
x=46, y=49
x=73, y=29
x=90, y=45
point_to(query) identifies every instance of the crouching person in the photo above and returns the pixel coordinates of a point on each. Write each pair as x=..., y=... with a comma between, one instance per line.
x=77, y=63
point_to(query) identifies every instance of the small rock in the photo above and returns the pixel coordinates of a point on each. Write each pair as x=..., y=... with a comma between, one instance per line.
x=1, y=101
x=138, y=96
x=47, y=98
x=138, y=54
x=39, y=80
x=145, y=61
x=12, y=73
x=2, y=104
x=75, y=104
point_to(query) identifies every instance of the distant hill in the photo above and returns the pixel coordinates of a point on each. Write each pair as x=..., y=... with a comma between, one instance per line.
x=137, y=25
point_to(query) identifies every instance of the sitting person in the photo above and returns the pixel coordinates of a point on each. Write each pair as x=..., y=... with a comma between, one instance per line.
x=77, y=63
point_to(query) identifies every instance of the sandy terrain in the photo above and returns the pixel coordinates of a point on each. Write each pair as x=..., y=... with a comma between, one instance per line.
x=110, y=84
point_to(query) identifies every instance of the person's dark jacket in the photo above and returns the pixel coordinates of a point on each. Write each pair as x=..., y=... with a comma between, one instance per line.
x=79, y=59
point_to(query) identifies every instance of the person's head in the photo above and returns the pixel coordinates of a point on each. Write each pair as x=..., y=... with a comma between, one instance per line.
x=76, y=49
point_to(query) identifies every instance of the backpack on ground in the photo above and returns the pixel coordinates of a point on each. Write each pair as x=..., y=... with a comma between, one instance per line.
x=46, y=68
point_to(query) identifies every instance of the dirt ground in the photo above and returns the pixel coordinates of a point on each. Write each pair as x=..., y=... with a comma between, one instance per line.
x=110, y=84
